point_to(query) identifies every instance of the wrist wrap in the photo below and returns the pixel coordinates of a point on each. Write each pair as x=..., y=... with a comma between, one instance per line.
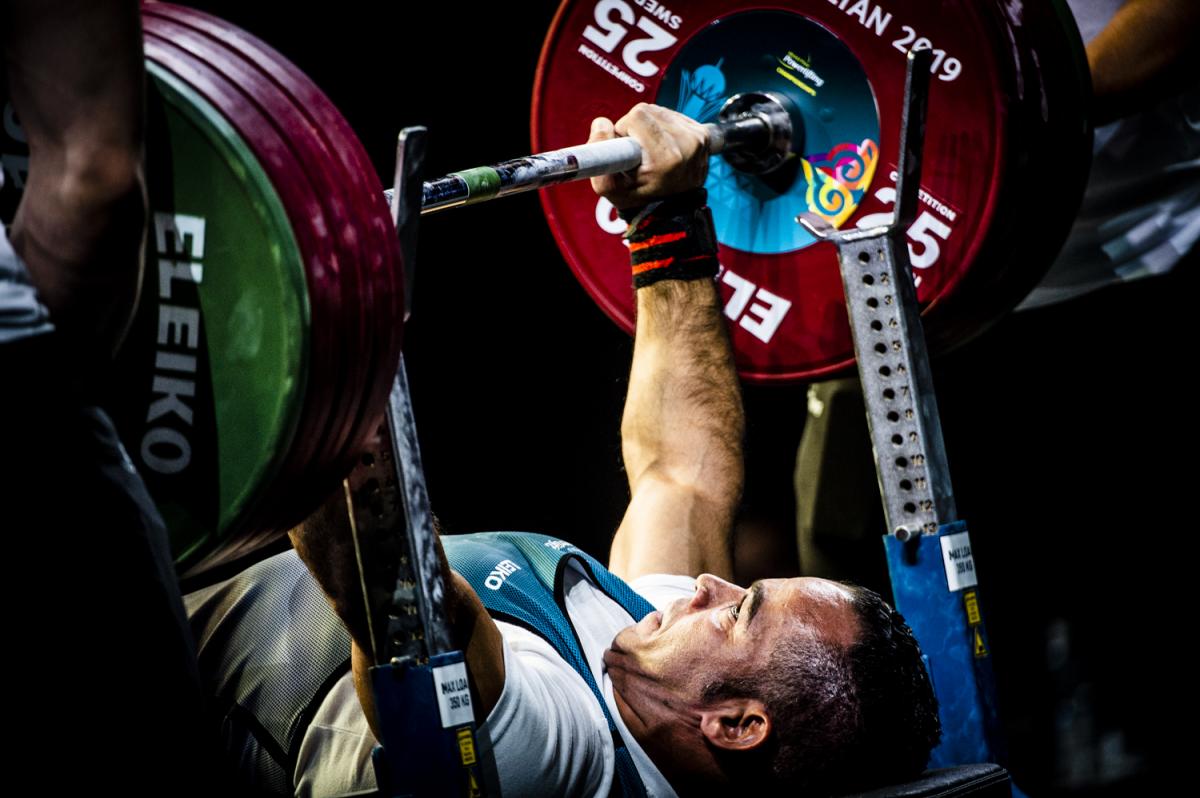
x=672, y=239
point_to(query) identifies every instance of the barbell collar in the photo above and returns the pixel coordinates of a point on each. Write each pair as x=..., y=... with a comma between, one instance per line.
x=762, y=131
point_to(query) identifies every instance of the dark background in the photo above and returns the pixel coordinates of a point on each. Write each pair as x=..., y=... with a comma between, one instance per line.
x=1068, y=429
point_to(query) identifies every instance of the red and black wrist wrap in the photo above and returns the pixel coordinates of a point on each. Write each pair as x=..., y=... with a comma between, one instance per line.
x=672, y=239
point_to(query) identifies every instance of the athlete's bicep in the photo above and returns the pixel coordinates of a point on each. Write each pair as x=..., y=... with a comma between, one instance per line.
x=482, y=645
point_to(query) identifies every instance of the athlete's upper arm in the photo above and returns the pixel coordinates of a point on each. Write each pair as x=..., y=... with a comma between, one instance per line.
x=484, y=647
x=672, y=529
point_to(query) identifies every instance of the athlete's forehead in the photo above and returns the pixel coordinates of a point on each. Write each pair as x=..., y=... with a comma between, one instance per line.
x=823, y=606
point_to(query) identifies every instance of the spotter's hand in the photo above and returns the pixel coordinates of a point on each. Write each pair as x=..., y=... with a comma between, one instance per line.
x=674, y=156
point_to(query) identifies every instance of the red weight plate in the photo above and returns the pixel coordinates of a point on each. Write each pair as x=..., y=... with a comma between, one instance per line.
x=1049, y=139
x=986, y=140
x=383, y=280
x=288, y=175
x=309, y=476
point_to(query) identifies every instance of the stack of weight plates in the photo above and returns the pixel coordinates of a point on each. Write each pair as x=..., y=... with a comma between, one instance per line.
x=269, y=326
x=1006, y=152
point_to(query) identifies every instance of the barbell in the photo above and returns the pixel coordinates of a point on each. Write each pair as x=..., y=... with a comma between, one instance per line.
x=273, y=256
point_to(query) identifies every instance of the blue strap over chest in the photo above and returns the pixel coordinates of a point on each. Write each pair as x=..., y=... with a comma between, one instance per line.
x=519, y=578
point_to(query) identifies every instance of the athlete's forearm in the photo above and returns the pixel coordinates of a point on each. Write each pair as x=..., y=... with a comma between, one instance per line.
x=325, y=543
x=681, y=434
x=683, y=418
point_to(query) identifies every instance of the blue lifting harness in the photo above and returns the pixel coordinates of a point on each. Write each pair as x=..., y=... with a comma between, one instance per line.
x=519, y=578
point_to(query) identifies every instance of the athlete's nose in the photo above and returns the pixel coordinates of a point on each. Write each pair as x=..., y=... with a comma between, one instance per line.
x=713, y=590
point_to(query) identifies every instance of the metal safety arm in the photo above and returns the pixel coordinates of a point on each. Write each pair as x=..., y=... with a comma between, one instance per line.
x=889, y=342
x=420, y=683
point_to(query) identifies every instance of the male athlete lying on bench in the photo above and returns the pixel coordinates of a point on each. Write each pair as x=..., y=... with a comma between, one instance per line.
x=802, y=683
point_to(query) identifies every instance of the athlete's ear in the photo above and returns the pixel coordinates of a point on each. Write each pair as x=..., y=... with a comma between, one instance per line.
x=736, y=724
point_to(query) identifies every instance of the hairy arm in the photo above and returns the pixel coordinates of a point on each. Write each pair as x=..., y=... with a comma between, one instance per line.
x=1145, y=53
x=76, y=78
x=681, y=433
x=681, y=437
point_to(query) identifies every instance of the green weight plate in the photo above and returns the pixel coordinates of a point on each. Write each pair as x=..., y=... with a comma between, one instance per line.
x=349, y=190
x=213, y=374
x=382, y=278
x=332, y=243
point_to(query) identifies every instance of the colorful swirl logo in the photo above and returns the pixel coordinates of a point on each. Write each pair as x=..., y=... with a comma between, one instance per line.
x=837, y=179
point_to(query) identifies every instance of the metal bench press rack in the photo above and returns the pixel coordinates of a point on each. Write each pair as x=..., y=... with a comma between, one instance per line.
x=420, y=681
x=928, y=550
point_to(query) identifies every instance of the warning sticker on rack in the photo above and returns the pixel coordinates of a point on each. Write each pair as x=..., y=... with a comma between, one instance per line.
x=466, y=746
x=453, y=694
x=956, y=556
x=980, y=647
x=971, y=603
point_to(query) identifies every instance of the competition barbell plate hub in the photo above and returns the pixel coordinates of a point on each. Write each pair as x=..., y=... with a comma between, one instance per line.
x=989, y=145
x=839, y=125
